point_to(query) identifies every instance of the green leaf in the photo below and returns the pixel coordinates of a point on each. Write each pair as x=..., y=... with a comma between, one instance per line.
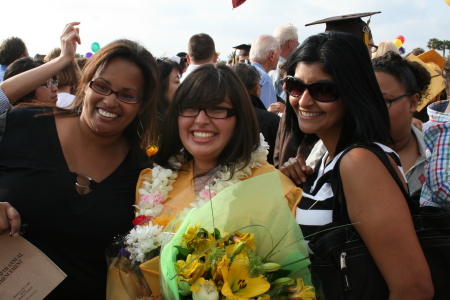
x=183, y=251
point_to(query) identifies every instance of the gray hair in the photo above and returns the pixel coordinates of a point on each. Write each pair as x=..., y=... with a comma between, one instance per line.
x=262, y=46
x=285, y=33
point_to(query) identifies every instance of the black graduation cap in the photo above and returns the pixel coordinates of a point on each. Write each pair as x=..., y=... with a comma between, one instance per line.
x=244, y=49
x=181, y=54
x=351, y=23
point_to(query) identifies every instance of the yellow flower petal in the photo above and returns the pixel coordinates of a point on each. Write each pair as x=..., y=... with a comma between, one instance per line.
x=237, y=281
x=198, y=284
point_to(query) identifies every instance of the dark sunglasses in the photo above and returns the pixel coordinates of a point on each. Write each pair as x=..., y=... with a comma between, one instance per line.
x=322, y=91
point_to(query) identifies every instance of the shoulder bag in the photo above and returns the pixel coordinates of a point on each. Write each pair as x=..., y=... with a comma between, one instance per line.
x=346, y=268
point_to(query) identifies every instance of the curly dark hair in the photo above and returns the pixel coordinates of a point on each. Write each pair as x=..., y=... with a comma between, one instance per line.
x=411, y=75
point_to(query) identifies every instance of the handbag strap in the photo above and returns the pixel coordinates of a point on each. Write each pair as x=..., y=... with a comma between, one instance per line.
x=3, y=124
x=340, y=212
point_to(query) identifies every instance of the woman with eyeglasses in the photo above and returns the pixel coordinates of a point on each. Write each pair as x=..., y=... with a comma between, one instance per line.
x=45, y=93
x=67, y=79
x=334, y=94
x=210, y=140
x=403, y=83
x=70, y=174
x=212, y=122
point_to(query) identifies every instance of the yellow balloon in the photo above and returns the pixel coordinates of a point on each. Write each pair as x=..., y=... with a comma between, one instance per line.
x=398, y=42
x=448, y=2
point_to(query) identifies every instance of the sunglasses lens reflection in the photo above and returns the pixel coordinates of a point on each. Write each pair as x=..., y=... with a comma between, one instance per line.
x=323, y=91
x=320, y=91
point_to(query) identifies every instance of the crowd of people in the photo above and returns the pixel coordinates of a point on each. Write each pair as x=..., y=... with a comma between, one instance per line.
x=74, y=135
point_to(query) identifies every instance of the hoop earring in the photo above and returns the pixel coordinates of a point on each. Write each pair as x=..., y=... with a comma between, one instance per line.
x=140, y=125
x=79, y=109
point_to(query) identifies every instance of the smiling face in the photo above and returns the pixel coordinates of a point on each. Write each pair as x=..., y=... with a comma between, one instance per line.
x=206, y=137
x=323, y=119
x=43, y=94
x=107, y=115
x=401, y=111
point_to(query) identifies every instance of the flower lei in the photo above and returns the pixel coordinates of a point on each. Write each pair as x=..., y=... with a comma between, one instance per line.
x=156, y=189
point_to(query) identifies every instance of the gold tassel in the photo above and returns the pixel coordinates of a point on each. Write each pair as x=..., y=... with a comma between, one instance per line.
x=366, y=33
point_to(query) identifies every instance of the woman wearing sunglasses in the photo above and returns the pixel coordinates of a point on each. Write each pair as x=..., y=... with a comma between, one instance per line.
x=71, y=174
x=333, y=93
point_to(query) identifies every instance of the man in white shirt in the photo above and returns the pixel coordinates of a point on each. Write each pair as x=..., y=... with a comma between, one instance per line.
x=201, y=50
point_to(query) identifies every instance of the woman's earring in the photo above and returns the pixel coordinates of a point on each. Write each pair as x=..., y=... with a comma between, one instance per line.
x=140, y=125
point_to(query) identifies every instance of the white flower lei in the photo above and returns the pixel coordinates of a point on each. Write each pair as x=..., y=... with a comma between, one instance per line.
x=156, y=189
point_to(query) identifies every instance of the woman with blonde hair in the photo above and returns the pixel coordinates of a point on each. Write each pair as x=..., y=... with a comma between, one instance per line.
x=67, y=78
x=384, y=47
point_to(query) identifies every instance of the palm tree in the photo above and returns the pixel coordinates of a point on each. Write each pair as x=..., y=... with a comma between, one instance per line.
x=445, y=45
x=433, y=43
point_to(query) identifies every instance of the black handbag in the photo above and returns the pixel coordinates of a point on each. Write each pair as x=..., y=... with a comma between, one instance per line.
x=345, y=267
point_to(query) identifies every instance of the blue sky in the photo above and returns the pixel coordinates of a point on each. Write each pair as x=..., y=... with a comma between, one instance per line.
x=165, y=26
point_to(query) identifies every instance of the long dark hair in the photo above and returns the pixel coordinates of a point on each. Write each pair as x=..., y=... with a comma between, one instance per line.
x=345, y=58
x=165, y=67
x=208, y=85
x=141, y=58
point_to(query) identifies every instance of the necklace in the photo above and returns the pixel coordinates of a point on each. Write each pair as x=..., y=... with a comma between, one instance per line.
x=157, y=187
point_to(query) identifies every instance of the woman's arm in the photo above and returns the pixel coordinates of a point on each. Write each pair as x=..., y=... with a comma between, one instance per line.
x=26, y=82
x=377, y=203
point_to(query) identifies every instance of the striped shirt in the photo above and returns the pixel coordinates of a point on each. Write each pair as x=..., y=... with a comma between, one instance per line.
x=4, y=102
x=316, y=207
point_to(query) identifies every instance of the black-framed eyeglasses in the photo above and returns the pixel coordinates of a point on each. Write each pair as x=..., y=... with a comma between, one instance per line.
x=389, y=102
x=215, y=112
x=105, y=90
x=373, y=48
x=322, y=91
x=51, y=83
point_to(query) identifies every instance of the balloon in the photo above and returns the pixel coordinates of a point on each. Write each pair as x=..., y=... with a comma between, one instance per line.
x=236, y=3
x=88, y=54
x=398, y=43
x=401, y=50
x=95, y=46
x=448, y=2
x=402, y=38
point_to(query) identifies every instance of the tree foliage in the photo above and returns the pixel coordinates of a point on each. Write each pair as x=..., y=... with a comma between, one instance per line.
x=437, y=44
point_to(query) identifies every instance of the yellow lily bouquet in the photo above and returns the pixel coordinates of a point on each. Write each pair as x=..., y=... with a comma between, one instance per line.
x=263, y=257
